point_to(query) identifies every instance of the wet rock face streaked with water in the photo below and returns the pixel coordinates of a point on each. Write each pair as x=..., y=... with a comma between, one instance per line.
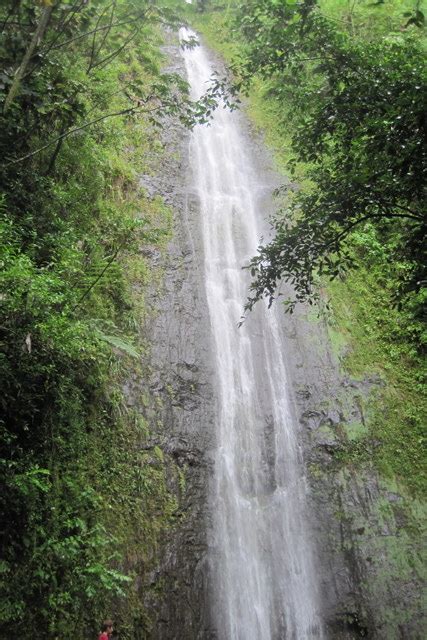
x=261, y=555
x=247, y=523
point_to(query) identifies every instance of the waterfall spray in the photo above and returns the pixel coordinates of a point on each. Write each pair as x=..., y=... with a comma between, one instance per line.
x=264, y=576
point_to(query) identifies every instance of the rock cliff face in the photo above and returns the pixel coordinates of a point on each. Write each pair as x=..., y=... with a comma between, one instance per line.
x=367, y=530
x=181, y=398
x=363, y=529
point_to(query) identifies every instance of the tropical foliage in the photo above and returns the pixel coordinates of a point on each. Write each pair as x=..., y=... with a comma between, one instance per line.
x=359, y=127
x=81, y=91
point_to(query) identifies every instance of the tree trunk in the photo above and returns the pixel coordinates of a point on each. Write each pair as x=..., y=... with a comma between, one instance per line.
x=37, y=37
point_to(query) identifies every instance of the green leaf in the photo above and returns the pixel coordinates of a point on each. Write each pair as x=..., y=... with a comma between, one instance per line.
x=118, y=343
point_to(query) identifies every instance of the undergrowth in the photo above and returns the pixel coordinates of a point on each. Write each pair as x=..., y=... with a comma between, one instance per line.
x=84, y=500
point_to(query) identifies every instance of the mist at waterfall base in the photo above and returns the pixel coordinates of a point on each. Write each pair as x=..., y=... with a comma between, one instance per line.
x=261, y=557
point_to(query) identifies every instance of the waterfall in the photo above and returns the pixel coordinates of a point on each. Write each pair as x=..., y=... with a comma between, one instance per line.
x=263, y=571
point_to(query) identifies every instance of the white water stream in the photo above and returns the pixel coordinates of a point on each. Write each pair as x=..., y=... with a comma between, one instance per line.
x=264, y=578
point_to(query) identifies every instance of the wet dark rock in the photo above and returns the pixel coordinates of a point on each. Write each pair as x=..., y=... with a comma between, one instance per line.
x=349, y=383
x=153, y=253
x=311, y=419
x=303, y=392
x=349, y=625
x=368, y=556
x=178, y=402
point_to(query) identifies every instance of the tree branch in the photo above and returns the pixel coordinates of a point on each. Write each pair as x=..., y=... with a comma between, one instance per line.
x=410, y=212
x=74, y=9
x=71, y=131
x=108, y=26
x=371, y=216
x=54, y=155
x=89, y=33
x=111, y=56
x=7, y=18
x=107, y=31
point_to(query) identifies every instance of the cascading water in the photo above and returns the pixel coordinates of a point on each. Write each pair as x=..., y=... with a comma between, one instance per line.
x=262, y=561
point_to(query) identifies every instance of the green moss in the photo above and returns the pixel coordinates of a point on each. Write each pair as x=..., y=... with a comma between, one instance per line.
x=355, y=430
x=217, y=30
x=369, y=333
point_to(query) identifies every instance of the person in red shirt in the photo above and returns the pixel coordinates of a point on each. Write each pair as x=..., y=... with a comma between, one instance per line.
x=106, y=630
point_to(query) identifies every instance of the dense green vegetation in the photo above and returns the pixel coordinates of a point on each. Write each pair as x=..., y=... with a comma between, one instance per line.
x=84, y=500
x=336, y=87
x=356, y=107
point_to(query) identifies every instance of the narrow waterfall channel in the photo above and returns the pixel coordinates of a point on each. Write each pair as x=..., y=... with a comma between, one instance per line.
x=263, y=574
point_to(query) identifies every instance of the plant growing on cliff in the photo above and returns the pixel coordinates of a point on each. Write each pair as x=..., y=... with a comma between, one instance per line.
x=81, y=92
x=360, y=129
